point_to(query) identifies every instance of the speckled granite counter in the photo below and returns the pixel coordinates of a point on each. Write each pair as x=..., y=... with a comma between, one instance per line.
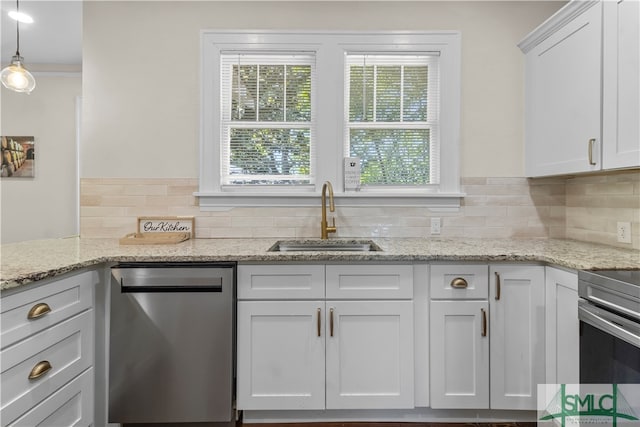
x=25, y=262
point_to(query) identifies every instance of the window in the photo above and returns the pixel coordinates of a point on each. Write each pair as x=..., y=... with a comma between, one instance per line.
x=280, y=110
x=266, y=125
x=391, y=120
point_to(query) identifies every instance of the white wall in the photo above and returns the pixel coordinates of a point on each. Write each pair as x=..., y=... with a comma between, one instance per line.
x=43, y=206
x=141, y=65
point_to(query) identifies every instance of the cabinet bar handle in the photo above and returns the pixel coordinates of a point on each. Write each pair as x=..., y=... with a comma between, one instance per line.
x=331, y=321
x=484, y=322
x=592, y=141
x=40, y=369
x=319, y=322
x=497, y=286
x=38, y=310
x=459, y=283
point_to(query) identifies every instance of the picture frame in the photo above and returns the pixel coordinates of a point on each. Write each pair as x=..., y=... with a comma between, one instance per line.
x=17, y=157
x=167, y=224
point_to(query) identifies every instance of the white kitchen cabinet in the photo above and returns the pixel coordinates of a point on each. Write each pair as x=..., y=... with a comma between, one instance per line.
x=281, y=354
x=562, y=92
x=459, y=354
x=366, y=343
x=621, y=90
x=369, y=356
x=516, y=297
x=47, y=346
x=71, y=406
x=562, y=337
x=482, y=364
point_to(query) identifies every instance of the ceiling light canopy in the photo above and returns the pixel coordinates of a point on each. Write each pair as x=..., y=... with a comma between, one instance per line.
x=15, y=76
x=21, y=17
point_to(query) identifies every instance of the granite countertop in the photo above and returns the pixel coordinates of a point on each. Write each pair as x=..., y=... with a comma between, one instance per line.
x=26, y=262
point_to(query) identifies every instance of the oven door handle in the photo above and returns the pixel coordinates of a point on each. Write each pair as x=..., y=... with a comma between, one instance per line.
x=610, y=323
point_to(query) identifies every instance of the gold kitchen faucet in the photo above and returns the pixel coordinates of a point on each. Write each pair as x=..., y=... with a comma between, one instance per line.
x=325, y=229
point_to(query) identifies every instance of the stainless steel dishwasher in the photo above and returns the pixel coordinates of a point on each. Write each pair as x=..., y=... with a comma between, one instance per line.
x=171, y=343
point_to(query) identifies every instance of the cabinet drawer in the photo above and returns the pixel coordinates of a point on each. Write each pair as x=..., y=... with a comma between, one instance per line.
x=67, y=346
x=72, y=405
x=280, y=281
x=444, y=283
x=369, y=281
x=64, y=298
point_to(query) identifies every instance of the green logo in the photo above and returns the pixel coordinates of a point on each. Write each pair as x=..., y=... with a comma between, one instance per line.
x=597, y=407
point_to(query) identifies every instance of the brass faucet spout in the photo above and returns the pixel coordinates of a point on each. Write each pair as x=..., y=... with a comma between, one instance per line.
x=325, y=228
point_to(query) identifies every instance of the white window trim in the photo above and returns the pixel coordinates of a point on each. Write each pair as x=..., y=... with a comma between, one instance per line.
x=330, y=48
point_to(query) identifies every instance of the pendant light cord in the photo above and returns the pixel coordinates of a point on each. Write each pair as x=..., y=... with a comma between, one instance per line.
x=18, y=29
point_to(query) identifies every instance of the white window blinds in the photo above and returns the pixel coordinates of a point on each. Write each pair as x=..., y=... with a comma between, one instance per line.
x=267, y=123
x=392, y=106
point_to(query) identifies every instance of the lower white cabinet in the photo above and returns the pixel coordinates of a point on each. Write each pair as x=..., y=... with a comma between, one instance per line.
x=516, y=305
x=488, y=353
x=46, y=354
x=562, y=337
x=459, y=354
x=71, y=406
x=281, y=352
x=327, y=354
x=369, y=354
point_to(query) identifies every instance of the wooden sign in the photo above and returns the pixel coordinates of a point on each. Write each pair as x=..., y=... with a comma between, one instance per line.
x=167, y=224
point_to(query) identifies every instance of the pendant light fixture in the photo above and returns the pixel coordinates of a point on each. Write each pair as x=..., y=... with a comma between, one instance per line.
x=15, y=77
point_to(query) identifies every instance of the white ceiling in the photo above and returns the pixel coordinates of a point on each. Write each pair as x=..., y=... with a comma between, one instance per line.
x=55, y=36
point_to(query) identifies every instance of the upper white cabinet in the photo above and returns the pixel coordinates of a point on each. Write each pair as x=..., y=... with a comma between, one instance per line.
x=581, y=88
x=621, y=91
x=562, y=92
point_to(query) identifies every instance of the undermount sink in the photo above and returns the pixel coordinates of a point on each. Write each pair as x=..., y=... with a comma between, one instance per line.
x=325, y=245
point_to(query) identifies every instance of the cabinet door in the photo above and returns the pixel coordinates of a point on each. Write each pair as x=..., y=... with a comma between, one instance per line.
x=459, y=345
x=517, y=335
x=280, y=355
x=563, y=102
x=621, y=91
x=369, y=354
x=562, y=338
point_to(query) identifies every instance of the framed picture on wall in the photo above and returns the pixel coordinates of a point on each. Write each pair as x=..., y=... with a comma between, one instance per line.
x=18, y=157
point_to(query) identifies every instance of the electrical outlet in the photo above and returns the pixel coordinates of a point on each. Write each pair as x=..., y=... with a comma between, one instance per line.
x=435, y=225
x=623, y=232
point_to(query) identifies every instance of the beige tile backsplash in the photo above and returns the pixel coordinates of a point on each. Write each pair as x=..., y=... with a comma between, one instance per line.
x=582, y=208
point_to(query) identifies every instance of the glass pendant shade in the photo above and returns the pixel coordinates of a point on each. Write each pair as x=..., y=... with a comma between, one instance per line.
x=17, y=78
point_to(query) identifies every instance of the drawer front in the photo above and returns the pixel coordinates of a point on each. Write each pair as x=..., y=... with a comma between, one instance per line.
x=280, y=282
x=367, y=281
x=64, y=298
x=459, y=281
x=72, y=405
x=67, y=347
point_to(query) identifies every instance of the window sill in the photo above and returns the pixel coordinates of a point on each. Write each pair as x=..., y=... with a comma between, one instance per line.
x=435, y=201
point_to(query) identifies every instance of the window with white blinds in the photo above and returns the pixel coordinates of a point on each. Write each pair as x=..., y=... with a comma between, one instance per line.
x=392, y=107
x=281, y=110
x=267, y=124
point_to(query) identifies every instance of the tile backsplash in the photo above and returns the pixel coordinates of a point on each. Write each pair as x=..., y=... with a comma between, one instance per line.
x=583, y=208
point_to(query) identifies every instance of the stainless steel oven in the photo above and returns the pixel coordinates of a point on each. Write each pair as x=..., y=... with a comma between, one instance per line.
x=609, y=313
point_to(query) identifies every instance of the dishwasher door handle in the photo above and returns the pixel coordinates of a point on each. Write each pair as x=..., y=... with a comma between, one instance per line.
x=165, y=280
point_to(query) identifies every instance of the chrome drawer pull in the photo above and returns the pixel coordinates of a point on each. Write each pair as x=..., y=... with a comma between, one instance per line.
x=40, y=369
x=38, y=310
x=459, y=283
